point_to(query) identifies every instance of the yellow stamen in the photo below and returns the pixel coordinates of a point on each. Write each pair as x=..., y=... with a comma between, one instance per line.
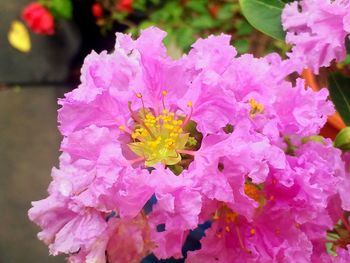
x=252, y=191
x=255, y=107
x=160, y=139
x=240, y=240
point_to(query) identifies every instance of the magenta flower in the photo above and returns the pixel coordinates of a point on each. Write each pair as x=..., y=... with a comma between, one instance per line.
x=317, y=31
x=271, y=237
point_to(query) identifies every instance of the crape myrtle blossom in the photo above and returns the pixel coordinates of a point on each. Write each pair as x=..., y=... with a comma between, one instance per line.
x=211, y=137
x=317, y=30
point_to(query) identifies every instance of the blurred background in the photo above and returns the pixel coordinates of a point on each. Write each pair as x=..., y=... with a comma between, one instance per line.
x=42, y=48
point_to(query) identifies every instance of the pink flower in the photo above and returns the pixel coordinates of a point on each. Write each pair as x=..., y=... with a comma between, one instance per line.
x=111, y=136
x=130, y=241
x=271, y=237
x=317, y=30
x=344, y=185
x=67, y=226
x=177, y=209
x=343, y=255
x=213, y=137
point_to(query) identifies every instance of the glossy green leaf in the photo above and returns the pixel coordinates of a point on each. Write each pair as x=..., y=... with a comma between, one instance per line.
x=339, y=89
x=265, y=16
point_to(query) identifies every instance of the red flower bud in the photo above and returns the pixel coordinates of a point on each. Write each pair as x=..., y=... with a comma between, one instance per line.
x=124, y=6
x=97, y=10
x=38, y=19
x=214, y=10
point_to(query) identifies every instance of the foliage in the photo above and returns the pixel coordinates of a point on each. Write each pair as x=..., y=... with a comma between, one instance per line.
x=185, y=21
x=265, y=15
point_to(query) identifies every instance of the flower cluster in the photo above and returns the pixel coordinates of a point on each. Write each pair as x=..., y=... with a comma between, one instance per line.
x=153, y=147
x=317, y=29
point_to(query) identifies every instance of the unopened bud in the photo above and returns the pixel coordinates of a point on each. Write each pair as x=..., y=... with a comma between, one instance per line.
x=342, y=141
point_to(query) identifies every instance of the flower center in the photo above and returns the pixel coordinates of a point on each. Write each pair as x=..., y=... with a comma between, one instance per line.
x=159, y=138
x=255, y=107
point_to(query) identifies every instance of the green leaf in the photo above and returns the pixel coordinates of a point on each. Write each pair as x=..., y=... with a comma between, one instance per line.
x=241, y=45
x=226, y=12
x=61, y=8
x=198, y=6
x=243, y=28
x=203, y=22
x=139, y=5
x=339, y=90
x=342, y=140
x=347, y=59
x=264, y=15
x=119, y=16
x=184, y=37
x=145, y=24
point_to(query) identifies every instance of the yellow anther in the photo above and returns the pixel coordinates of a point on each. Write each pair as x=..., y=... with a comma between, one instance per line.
x=157, y=138
x=231, y=216
x=255, y=107
x=139, y=95
x=252, y=191
x=216, y=216
x=164, y=93
x=252, y=231
x=189, y=104
x=122, y=127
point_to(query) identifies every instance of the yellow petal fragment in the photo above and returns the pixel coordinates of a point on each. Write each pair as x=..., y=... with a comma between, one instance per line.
x=18, y=37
